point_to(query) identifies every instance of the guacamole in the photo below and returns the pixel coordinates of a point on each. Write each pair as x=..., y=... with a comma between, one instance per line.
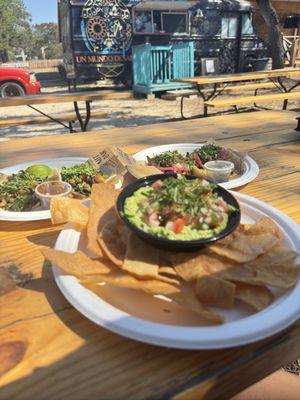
x=178, y=209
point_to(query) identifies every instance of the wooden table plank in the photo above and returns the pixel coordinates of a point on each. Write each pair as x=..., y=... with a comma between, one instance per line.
x=234, y=127
x=50, y=351
x=243, y=76
x=252, y=99
x=64, y=97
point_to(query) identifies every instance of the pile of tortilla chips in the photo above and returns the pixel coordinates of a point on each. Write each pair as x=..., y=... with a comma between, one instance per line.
x=241, y=267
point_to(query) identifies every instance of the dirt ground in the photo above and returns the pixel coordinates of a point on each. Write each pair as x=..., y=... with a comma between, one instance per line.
x=132, y=112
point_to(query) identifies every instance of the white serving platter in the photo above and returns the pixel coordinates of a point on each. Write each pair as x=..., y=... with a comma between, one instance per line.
x=154, y=320
x=37, y=214
x=251, y=169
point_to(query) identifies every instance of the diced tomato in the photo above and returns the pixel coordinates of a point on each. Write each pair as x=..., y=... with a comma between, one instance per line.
x=178, y=225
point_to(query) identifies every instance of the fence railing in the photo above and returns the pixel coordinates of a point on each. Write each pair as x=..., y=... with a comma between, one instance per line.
x=291, y=46
x=161, y=64
x=33, y=64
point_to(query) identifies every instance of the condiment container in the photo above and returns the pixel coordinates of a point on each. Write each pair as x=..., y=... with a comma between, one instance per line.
x=219, y=170
x=47, y=190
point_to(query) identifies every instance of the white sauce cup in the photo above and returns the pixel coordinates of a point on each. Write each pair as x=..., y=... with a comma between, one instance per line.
x=218, y=171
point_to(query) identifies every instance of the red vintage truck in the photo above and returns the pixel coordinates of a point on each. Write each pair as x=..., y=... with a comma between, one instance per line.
x=17, y=82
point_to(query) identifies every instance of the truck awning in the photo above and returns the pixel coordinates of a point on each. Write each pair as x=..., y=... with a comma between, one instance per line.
x=165, y=5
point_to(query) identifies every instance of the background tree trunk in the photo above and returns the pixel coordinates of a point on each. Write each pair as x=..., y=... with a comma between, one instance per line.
x=275, y=36
x=3, y=56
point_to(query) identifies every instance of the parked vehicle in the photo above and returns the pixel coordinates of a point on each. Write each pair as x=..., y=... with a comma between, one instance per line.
x=98, y=36
x=17, y=82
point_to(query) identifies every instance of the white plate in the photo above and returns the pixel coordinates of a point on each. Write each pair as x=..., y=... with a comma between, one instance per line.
x=38, y=214
x=144, y=318
x=250, y=173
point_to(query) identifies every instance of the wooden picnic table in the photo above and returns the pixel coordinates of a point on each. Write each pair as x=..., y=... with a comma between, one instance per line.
x=48, y=350
x=221, y=82
x=71, y=97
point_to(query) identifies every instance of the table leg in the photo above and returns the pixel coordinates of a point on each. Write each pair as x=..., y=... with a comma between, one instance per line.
x=70, y=127
x=298, y=126
x=281, y=86
x=83, y=123
x=215, y=92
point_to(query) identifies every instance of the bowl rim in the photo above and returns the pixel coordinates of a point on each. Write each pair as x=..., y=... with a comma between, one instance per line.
x=134, y=186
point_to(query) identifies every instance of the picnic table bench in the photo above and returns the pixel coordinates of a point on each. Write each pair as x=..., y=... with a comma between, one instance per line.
x=57, y=98
x=209, y=87
x=49, y=350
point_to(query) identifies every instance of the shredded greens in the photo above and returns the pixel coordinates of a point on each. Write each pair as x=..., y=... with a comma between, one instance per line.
x=17, y=192
x=173, y=161
x=81, y=177
x=183, y=196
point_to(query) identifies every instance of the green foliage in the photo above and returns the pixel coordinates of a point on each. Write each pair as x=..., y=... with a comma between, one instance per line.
x=17, y=33
x=45, y=36
x=15, y=30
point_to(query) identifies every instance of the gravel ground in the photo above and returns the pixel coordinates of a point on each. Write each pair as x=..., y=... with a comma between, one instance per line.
x=120, y=112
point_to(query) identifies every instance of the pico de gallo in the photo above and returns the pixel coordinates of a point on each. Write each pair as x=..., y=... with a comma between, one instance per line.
x=178, y=209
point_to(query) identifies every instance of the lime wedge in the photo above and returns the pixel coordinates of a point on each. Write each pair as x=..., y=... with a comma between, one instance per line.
x=40, y=170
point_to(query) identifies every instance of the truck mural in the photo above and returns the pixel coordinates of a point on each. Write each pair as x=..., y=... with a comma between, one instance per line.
x=98, y=35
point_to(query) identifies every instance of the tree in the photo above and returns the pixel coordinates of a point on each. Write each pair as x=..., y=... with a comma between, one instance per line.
x=274, y=33
x=45, y=38
x=15, y=30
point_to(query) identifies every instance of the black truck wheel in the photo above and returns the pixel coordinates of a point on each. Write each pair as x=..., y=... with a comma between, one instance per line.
x=8, y=89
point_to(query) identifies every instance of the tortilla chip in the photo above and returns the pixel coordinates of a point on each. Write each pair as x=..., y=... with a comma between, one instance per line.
x=191, y=267
x=258, y=297
x=248, y=242
x=142, y=260
x=77, y=264
x=189, y=300
x=215, y=292
x=139, y=170
x=279, y=254
x=185, y=298
x=167, y=270
x=101, y=210
x=65, y=209
x=130, y=282
x=111, y=244
x=264, y=225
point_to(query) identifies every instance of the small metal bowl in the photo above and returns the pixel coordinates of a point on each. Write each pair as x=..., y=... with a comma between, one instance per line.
x=169, y=244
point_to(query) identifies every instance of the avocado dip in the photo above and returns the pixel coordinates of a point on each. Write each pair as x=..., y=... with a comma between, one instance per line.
x=178, y=209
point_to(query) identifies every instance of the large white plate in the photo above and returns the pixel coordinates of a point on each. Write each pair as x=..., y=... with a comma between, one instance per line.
x=38, y=214
x=153, y=320
x=251, y=168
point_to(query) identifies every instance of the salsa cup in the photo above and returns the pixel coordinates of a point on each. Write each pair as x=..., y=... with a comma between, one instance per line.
x=170, y=244
x=45, y=191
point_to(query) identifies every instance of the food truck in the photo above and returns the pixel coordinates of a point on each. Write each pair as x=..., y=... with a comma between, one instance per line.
x=98, y=36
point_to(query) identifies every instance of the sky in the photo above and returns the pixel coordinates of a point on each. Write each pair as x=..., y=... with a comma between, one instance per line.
x=42, y=10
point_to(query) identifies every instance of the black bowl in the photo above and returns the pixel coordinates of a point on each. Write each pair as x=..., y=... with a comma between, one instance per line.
x=169, y=244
